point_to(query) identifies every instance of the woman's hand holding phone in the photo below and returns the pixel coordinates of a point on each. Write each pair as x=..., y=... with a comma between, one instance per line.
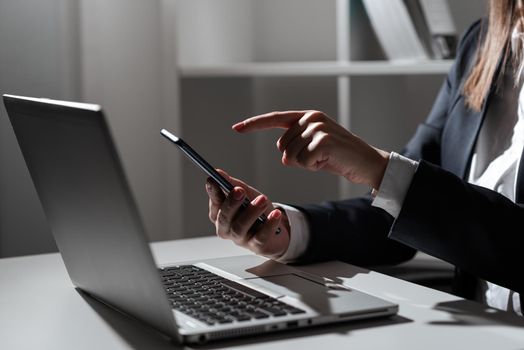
x=234, y=223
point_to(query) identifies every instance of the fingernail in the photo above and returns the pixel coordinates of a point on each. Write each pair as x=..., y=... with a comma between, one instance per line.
x=238, y=126
x=259, y=200
x=238, y=194
x=275, y=214
x=208, y=187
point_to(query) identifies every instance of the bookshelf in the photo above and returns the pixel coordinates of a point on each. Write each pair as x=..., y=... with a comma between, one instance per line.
x=238, y=58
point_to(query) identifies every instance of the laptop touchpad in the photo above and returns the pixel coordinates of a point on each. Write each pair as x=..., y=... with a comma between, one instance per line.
x=290, y=285
x=321, y=298
x=248, y=266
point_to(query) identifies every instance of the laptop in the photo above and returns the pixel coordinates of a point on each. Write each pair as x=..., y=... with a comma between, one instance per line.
x=85, y=195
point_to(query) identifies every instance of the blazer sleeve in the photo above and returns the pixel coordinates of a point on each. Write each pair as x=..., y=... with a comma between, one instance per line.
x=356, y=232
x=478, y=230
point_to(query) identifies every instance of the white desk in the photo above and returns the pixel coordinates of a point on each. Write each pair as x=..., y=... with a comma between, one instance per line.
x=39, y=309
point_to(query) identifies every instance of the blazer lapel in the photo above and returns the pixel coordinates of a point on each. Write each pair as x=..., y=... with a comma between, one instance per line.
x=460, y=136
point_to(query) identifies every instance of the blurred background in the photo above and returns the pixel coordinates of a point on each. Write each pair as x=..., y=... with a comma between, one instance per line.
x=196, y=67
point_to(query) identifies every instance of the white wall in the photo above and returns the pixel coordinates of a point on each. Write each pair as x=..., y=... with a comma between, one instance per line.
x=214, y=31
x=225, y=31
x=128, y=69
x=117, y=53
x=294, y=30
x=32, y=34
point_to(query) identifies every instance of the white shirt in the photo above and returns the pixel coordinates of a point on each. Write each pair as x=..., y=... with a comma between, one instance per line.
x=494, y=166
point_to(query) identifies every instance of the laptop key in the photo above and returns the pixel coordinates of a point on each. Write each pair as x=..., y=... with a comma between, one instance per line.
x=295, y=311
x=242, y=318
x=225, y=320
x=259, y=315
x=272, y=311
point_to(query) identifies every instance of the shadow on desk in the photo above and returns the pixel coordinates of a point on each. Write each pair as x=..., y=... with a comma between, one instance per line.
x=139, y=336
x=132, y=331
x=470, y=313
x=423, y=270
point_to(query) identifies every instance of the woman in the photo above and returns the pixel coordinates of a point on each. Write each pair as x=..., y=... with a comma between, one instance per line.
x=456, y=192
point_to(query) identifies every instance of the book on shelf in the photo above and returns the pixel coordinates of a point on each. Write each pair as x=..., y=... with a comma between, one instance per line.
x=413, y=29
x=441, y=27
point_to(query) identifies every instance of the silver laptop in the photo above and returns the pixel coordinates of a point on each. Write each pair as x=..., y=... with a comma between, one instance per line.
x=81, y=184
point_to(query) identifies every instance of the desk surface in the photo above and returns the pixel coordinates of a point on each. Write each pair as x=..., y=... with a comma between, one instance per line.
x=39, y=309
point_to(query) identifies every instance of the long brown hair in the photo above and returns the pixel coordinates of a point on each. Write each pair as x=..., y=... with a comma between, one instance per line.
x=504, y=15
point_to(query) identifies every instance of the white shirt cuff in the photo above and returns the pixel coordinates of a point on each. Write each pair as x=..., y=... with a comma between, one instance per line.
x=395, y=184
x=298, y=235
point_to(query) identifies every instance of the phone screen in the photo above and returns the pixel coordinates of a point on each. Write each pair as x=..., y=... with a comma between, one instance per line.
x=209, y=170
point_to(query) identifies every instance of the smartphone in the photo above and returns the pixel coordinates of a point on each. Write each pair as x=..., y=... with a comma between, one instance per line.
x=209, y=170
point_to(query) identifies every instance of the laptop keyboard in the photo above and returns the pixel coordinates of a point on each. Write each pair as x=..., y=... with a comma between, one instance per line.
x=213, y=299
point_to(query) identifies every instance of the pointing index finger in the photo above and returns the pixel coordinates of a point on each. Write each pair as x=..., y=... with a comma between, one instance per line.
x=282, y=120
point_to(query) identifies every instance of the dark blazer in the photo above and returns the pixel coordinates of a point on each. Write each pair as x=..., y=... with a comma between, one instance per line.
x=479, y=231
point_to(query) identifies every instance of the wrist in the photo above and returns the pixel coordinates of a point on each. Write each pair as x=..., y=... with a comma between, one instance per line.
x=379, y=168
